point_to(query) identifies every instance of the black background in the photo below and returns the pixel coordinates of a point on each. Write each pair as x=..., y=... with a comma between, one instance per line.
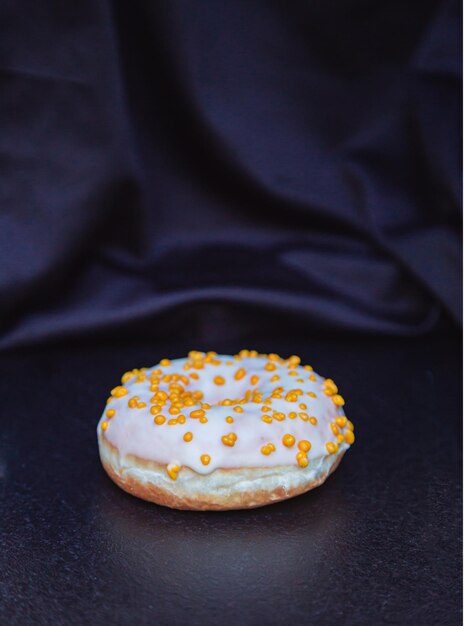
x=220, y=175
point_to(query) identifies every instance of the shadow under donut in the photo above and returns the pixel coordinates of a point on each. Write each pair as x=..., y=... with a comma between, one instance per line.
x=164, y=556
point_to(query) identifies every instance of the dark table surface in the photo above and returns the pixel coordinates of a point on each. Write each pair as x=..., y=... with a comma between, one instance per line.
x=379, y=543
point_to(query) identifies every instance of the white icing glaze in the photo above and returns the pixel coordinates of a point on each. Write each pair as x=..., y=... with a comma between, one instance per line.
x=133, y=431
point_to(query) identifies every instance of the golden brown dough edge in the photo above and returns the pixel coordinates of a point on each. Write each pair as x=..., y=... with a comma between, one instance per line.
x=200, y=501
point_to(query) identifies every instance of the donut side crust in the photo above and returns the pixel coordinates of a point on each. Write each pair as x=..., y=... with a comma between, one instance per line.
x=221, y=490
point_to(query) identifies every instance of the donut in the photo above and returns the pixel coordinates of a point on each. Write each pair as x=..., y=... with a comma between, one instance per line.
x=218, y=432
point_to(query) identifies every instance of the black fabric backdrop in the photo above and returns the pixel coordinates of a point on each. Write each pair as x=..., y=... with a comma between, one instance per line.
x=167, y=163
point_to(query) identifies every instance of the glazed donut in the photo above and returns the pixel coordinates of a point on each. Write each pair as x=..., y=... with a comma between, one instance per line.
x=217, y=432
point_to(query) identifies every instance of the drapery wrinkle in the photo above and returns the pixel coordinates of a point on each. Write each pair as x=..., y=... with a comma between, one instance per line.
x=298, y=161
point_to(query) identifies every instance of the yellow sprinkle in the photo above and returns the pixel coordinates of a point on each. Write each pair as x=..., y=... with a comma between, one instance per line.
x=174, y=410
x=173, y=471
x=349, y=425
x=349, y=437
x=303, y=406
x=308, y=368
x=188, y=436
x=159, y=419
x=110, y=413
x=198, y=413
x=229, y=440
x=203, y=420
x=313, y=421
x=127, y=376
x=275, y=378
x=254, y=380
x=311, y=394
x=303, y=461
x=266, y=450
x=165, y=362
x=341, y=421
x=238, y=409
x=229, y=419
x=205, y=459
x=175, y=387
x=288, y=440
x=292, y=415
x=304, y=445
x=104, y=425
x=334, y=428
x=270, y=367
x=304, y=416
x=312, y=378
x=181, y=419
x=340, y=438
x=219, y=380
x=119, y=391
x=195, y=354
x=338, y=400
x=332, y=448
x=330, y=388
